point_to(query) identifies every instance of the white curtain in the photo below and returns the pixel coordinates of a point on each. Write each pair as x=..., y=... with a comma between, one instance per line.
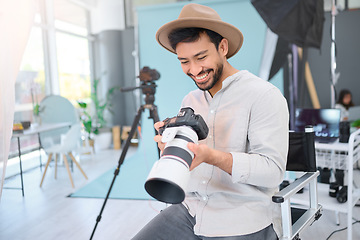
x=16, y=19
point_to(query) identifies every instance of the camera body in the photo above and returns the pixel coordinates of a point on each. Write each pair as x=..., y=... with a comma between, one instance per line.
x=186, y=117
x=148, y=75
x=168, y=179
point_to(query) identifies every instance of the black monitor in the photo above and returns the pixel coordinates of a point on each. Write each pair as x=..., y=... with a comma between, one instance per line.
x=325, y=122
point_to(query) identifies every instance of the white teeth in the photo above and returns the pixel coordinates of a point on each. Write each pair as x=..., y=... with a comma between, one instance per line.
x=202, y=77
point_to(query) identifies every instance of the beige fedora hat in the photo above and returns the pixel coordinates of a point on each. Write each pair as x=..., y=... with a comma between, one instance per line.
x=196, y=15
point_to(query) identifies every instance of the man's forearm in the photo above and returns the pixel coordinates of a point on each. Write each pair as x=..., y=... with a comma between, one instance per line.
x=203, y=153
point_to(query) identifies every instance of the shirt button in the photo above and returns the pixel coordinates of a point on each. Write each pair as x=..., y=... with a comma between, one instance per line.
x=204, y=182
x=210, y=136
x=204, y=198
x=212, y=111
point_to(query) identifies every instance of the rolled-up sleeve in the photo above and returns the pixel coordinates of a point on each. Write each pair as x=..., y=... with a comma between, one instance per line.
x=264, y=162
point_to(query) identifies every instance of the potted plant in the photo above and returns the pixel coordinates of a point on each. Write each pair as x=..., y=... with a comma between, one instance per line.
x=356, y=124
x=101, y=105
x=86, y=119
x=95, y=124
x=36, y=108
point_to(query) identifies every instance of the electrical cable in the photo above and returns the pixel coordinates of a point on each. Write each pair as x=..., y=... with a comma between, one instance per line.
x=342, y=229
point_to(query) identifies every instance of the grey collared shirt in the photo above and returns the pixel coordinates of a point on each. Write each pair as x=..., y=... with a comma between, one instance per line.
x=248, y=117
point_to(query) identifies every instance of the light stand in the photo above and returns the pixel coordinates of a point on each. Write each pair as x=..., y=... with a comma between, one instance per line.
x=334, y=75
x=148, y=88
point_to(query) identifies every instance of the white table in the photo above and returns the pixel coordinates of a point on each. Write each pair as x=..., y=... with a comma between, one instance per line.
x=35, y=130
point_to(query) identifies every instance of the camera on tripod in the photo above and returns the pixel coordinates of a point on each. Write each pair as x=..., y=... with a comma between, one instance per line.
x=148, y=75
x=147, y=78
x=168, y=179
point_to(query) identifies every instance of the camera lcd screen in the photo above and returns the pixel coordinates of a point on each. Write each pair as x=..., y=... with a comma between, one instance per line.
x=324, y=121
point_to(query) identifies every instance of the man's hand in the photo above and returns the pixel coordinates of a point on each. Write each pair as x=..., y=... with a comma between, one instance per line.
x=158, y=138
x=211, y=156
x=202, y=153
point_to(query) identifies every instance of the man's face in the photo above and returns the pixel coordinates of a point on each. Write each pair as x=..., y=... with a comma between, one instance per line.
x=202, y=62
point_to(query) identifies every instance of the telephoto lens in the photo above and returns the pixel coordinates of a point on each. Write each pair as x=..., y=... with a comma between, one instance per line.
x=168, y=179
x=170, y=174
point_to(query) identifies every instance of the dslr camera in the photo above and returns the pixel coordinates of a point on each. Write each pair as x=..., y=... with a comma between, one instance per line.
x=168, y=179
x=148, y=75
x=186, y=117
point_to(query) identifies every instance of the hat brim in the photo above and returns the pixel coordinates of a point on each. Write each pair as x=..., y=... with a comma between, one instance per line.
x=228, y=31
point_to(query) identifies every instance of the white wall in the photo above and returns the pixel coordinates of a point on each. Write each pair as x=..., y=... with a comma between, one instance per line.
x=107, y=15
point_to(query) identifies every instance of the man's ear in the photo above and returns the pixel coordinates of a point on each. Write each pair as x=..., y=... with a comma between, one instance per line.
x=224, y=47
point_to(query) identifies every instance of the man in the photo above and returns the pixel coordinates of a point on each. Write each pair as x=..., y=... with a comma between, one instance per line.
x=239, y=166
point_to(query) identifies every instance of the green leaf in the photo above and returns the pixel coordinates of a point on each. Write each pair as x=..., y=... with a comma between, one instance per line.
x=88, y=126
x=356, y=123
x=82, y=104
x=36, y=110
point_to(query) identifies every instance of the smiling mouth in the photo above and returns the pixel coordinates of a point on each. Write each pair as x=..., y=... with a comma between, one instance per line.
x=202, y=78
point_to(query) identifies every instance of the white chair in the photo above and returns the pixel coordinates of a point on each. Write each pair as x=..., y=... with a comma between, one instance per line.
x=56, y=109
x=69, y=143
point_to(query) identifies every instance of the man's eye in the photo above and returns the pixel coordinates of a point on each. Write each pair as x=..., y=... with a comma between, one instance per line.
x=184, y=62
x=202, y=58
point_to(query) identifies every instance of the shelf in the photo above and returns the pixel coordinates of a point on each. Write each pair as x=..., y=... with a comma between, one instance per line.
x=324, y=199
x=336, y=156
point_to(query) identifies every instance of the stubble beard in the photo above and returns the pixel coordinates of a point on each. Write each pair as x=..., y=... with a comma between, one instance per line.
x=212, y=81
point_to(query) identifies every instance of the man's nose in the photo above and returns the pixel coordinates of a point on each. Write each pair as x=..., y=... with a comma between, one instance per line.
x=195, y=69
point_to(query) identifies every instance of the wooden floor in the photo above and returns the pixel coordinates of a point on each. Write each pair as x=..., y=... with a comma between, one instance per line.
x=48, y=214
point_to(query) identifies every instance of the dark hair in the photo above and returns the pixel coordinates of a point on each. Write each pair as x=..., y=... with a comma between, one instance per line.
x=340, y=100
x=191, y=35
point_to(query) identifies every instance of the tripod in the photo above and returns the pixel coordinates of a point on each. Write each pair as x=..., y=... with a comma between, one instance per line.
x=148, y=88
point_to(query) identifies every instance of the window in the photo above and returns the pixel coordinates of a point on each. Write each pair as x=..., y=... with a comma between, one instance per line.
x=74, y=67
x=30, y=82
x=69, y=48
x=54, y=62
x=72, y=50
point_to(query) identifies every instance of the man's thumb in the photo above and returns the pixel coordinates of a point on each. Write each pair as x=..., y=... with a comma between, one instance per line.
x=192, y=147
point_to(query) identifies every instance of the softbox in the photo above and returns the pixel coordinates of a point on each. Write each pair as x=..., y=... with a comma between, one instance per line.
x=297, y=21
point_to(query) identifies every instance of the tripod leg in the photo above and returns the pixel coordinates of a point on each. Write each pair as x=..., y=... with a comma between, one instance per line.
x=131, y=134
x=121, y=160
x=155, y=116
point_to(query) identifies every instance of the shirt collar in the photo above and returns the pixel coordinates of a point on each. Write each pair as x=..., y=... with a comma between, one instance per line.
x=225, y=84
x=230, y=79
